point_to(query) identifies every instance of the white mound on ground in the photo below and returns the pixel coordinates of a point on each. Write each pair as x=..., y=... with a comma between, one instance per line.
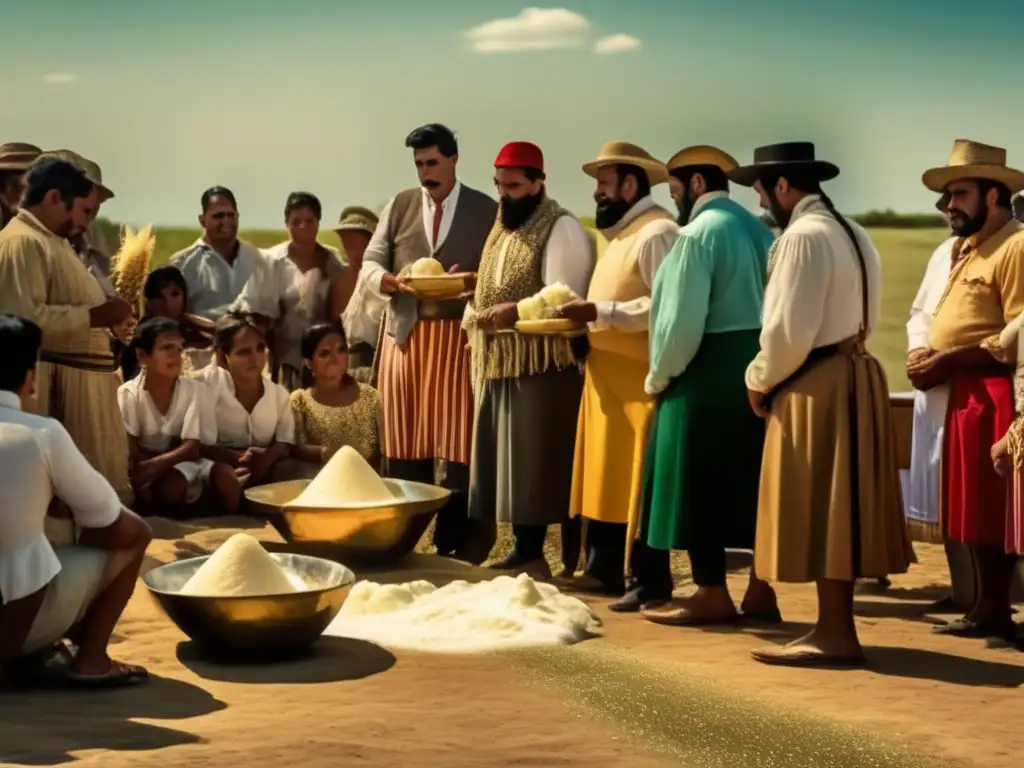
x=346, y=479
x=240, y=567
x=505, y=612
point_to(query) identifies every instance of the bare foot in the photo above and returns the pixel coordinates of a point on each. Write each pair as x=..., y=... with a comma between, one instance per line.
x=814, y=649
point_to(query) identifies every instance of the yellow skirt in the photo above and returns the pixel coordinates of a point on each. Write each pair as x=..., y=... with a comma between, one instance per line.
x=615, y=417
x=830, y=504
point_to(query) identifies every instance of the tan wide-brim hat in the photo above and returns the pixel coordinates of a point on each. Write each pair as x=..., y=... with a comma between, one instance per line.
x=624, y=153
x=18, y=156
x=973, y=160
x=702, y=154
x=92, y=170
x=357, y=218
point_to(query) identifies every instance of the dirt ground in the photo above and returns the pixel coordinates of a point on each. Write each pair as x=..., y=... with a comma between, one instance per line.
x=642, y=695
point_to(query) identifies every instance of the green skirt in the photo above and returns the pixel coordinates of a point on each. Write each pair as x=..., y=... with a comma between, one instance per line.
x=703, y=463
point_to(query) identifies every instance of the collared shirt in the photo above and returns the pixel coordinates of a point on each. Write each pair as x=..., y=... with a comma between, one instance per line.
x=379, y=246
x=656, y=240
x=933, y=285
x=984, y=292
x=188, y=417
x=38, y=460
x=270, y=421
x=814, y=293
x=213, y=283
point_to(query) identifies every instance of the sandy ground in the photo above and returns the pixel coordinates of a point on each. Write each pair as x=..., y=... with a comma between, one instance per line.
x=643, y=696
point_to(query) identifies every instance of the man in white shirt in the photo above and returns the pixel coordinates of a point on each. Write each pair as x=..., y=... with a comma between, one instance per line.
x=527, y=388
x=830, y=509
x=217, y=266
x=48, y=595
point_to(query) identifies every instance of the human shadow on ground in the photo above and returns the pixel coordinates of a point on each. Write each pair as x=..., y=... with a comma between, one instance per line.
x=905, y=611
x=43, y=728
x=330, y=660
x=942, y=667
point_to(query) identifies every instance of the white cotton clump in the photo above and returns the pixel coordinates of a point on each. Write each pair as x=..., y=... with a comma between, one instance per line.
x=345, y=480
x=427, y=267
x=504, y=612
x=241, y=567
x=544, y=305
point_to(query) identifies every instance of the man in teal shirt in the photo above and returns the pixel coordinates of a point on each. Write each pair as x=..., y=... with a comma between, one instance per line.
x=703, y=460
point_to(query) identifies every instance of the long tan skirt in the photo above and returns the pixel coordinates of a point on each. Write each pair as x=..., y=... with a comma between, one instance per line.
x=85, y=402
x=830, y=504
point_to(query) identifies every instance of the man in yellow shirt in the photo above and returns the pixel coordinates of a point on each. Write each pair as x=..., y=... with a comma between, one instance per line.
x=984, y=293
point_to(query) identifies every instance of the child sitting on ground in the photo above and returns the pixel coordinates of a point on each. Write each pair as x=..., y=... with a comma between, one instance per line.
x=166, y=418
x=335, y=410
x=255, y=426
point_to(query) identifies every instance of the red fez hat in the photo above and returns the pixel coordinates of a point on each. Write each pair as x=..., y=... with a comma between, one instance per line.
x=520, y=154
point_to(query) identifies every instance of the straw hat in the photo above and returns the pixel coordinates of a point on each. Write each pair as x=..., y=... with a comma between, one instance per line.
x=702, y=154
x=624, y=153
x=18, y=156
x=88, y=167
x=972, y=160
x=355, y=217
x=779, y=157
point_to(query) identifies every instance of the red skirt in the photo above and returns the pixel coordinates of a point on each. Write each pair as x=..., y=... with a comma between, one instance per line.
x=975, y=498
x=426, y=396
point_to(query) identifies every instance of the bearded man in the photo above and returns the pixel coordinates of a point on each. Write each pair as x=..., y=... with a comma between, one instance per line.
x=15, y=159
x=985, y=293
x=423, y=365
x=615, y=412
x=830, y=507
x=43, y=280
x=704, y=459
x=527, y=387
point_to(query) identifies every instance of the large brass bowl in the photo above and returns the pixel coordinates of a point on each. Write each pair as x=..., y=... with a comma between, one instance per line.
x=373, y=534
x=268, y=628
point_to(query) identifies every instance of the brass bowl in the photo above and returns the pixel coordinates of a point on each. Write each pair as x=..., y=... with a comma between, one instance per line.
x=269, y=627
x=374, y=534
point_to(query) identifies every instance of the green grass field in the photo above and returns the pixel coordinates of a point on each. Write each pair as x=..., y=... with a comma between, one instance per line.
x=904, y=252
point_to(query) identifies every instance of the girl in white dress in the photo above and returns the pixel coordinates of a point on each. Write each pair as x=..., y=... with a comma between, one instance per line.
x=166, y=418
x=255, y=426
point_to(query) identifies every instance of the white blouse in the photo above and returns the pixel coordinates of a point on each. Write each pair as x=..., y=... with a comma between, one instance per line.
x=271, y=419
x=184, y=419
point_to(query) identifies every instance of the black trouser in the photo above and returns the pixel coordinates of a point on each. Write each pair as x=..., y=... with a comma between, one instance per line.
x=652, y=570
x=606, y=552
x=530, y=542
x=707, y=560
x=454, y=532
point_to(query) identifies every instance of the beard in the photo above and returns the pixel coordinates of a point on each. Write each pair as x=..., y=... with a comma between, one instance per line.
x=610, y=211
x=685, y=207
x=516, y=211
x=963, y=225
x=431, y=184
x=777, y=212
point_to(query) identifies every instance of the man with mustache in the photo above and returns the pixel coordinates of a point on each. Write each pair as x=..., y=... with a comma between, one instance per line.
x=15, y=159
x=422, y=362
x=922, y=502
x=527, y=386
x=985, y=292
x=42, y=279
x=615, y=412
x=703, y=463
x=218, y=265
x=830, y=508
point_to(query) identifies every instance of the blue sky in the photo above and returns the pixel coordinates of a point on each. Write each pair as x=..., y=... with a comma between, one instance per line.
x=268, y=97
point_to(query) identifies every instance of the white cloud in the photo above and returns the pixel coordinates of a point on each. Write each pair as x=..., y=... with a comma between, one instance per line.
x=617, y=44
x=60, y=78
x=534, y=29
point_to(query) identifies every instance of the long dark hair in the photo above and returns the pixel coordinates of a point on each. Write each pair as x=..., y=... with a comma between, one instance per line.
x=311, y=339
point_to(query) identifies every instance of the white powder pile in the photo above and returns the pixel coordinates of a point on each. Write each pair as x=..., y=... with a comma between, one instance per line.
x=345, y=480
x=505, y=612
x=241, y=568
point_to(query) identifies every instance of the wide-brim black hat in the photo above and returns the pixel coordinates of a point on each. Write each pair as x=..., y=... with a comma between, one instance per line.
x=778, y=157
